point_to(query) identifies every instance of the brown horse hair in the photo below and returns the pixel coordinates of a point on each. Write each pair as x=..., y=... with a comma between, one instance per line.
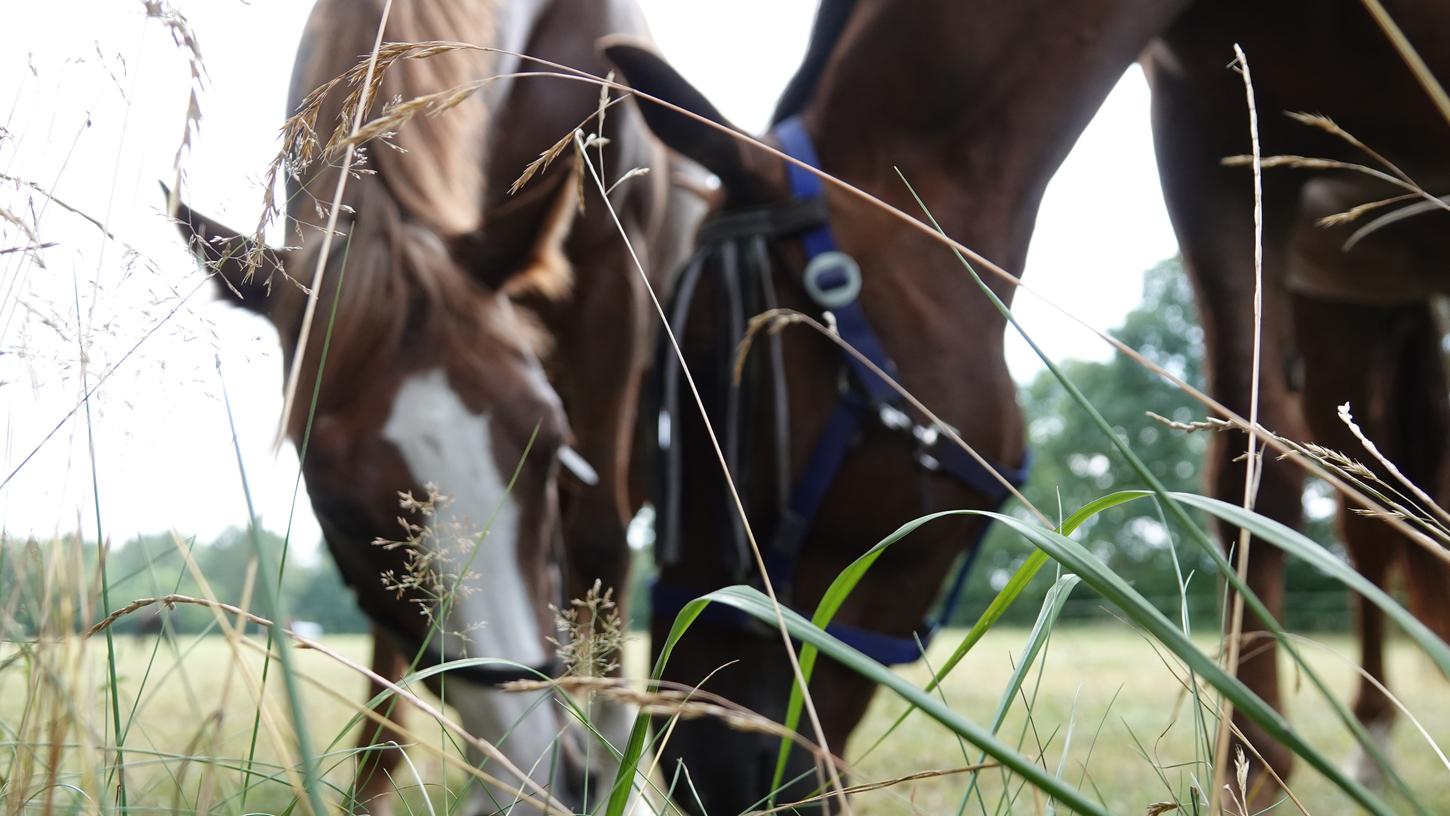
x=436, y=172
x=424, y=187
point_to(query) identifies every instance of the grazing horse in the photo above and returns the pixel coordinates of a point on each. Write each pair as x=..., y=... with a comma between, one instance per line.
x=977, y=123
x=1342, y=321
x=479, y=341
x=977, y=105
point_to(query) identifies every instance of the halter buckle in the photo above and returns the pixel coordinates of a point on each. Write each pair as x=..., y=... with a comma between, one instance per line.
x=832, y=279
x=893, y=418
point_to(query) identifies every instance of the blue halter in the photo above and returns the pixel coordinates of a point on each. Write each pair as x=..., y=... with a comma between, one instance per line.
x=833, y=281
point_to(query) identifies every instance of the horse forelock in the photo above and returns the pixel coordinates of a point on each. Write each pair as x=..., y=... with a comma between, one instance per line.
x=433, y=164
x=402, y=300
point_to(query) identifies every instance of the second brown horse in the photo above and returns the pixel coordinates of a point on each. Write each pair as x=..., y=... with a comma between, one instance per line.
x=976, y=105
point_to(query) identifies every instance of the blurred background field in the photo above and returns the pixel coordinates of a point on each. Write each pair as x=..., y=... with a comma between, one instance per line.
x=1105, y=692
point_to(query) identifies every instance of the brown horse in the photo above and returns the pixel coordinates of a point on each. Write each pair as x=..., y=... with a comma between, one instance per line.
x=977, y=104
x=469, y=323
x=931, y=92
x=1341, y=324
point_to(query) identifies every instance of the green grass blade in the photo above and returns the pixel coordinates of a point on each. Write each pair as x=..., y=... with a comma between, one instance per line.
x=1046, y=620
x=296, y=485
x=113, y=689
x=997, y=608
x=276, y=607
x=757, y=605
x=1302, y=547
x=1117, y=591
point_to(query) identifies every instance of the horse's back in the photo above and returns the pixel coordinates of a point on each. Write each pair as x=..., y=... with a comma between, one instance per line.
x=1328, y=58
x=1322, y=56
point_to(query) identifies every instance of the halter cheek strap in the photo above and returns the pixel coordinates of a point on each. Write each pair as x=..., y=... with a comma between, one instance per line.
x=831, y=277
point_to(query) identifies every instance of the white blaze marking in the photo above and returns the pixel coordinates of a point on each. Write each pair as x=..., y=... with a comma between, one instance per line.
x=446, y=444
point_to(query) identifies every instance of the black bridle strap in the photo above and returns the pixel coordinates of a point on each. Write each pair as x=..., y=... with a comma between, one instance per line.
x=770, y=223
x=668, y=429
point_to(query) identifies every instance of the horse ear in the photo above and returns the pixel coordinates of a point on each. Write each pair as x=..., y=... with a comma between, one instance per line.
x=225, y=252
x=718, y=151
x=520, y=246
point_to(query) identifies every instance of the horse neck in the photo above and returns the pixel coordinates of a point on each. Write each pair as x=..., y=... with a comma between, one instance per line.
x=977, y=106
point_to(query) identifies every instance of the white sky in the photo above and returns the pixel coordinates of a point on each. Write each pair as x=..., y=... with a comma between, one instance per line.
x=99, y=120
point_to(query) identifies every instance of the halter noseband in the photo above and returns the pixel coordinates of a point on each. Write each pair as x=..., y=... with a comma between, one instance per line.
x=832, y=280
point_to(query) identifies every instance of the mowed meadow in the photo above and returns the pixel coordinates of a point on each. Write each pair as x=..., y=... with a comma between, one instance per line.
x=1087, y=655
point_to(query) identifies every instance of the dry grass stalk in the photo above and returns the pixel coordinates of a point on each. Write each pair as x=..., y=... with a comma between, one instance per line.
x=268, y=715
x=1319, y=121
x=289, y=392
x=553, y=152
x=1412, y=58
x=301, y=148
x=437, y=555
x=1191, y=686
x=33, y=249
x=866, y=787
x=797, y=675
x=1359, y=210
x=1426, y=501
x=1205, y=424
x=1382, y=499
x=682, y=703
x=233, y=633
x=1234, y=634
x=185, y=39
x=591, y=633
x=543, y=798
x=1388, y=502
x=1422, y=201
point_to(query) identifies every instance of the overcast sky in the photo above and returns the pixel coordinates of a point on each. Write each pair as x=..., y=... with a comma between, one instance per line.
x=94, y=96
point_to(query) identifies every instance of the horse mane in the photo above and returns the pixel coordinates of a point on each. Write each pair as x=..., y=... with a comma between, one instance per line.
x=433, y=164
x=404, y=199
x=831, y=19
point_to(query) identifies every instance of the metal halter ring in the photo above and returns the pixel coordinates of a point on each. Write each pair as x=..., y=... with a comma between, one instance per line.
x=832, y=279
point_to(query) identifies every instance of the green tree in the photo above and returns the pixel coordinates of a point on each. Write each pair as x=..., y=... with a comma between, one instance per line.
x=154, y=565
x=1073, y=463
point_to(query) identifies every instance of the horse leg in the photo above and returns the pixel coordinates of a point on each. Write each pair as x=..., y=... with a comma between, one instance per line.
x=377, y=744
x=1195, y=124
x=1371, y=706
x=1422, y=425
x=1385, y=362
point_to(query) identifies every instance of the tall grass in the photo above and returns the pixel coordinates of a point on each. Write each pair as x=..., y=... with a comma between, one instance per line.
x=131, y=726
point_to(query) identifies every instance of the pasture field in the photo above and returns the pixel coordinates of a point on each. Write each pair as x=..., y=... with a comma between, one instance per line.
x=141, y=725
x=1105, y=693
